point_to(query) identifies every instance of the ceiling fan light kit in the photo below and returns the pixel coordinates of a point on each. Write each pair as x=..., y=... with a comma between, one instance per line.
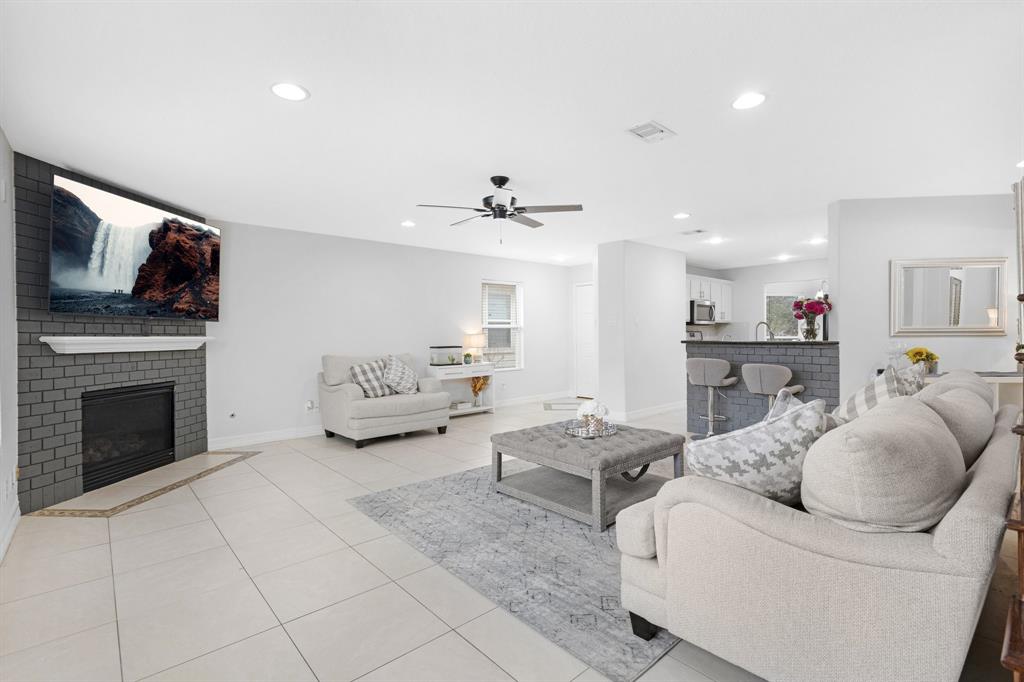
x=502, y=205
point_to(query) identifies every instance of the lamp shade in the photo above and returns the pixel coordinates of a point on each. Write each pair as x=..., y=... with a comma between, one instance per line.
x=474, y=341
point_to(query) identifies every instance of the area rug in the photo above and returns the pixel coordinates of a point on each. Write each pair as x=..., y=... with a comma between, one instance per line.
x=555, y=574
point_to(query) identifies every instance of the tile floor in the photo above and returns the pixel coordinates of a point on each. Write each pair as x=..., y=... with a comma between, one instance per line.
x=263, y=571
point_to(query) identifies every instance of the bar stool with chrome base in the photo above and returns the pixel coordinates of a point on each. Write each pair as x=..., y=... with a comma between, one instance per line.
x=768, y=380
x=713, y=373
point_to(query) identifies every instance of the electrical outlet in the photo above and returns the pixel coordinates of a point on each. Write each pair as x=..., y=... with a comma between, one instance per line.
x=311, y=406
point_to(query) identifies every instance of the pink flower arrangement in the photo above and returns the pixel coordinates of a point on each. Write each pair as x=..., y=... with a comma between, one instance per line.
x=810, y=308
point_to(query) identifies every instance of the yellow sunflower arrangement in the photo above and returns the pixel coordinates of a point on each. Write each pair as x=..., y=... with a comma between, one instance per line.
x=921, y=354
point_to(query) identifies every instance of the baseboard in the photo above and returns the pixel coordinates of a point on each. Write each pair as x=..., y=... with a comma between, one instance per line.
x=244, y=439
x=10, y=514
x=647, y=411
x=532, y=399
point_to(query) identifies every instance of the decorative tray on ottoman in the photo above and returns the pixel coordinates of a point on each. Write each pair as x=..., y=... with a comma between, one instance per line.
x=582, y=428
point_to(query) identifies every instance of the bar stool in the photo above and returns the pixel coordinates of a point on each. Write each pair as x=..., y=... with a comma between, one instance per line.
x=768, y=380
x=713, y=373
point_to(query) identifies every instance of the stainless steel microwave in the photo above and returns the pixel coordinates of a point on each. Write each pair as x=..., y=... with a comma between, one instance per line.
x=702, y=312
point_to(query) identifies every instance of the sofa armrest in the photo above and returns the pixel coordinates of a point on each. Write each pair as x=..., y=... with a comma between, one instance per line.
x=634, y=530
x=342, y=391
x=905, y=551
x=430, y=385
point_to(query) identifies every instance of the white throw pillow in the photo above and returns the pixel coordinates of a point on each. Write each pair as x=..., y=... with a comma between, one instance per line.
x=767, y=457
x=400, y=376
x=370, y=377
x=882, y=388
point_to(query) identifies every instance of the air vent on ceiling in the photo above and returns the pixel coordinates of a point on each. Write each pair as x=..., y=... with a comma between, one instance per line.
x=652, y=131
x=690, y=233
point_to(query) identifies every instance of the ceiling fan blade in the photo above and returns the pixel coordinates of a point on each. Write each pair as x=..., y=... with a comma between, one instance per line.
x=463, y=208
x=523, y=220
x=466, y=220
x=560, y=208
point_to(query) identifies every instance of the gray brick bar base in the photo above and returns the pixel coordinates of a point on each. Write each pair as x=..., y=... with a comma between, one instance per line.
x=580, y=478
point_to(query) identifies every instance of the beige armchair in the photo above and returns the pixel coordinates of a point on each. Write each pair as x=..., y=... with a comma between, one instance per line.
x=347, y=412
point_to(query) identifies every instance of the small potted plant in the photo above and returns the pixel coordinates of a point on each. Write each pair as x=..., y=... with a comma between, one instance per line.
x=921, y=354
x=467, y=358
x=808, y=310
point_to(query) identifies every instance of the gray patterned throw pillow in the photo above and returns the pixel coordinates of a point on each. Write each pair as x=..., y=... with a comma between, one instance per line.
x=882, y=388
x=370, y=377
x=400, y=376
x=766, y=458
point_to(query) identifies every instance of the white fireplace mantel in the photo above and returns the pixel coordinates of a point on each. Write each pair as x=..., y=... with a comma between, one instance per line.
x=66, y=345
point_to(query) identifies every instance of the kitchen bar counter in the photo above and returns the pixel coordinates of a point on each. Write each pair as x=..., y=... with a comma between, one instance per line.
x=815, y=366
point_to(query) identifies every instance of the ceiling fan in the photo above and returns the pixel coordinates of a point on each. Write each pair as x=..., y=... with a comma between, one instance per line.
x=502, y=205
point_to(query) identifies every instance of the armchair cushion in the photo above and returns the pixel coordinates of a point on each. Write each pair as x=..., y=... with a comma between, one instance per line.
x=634, y=530
x=399, y=376
x=398, y=405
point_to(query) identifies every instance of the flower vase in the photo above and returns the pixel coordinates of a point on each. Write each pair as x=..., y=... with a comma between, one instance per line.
x=932, y=366
x=810, y=328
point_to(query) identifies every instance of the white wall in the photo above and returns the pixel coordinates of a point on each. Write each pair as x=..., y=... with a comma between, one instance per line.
x=289, y=297
x=865, y=234
x=8, y=353
x=582, y=273
x=642, y=310
x=748, y=292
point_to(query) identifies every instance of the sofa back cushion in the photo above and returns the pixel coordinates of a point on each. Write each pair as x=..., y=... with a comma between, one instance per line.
x=338, y=368
x=897, y=468
x=968, y=417
x=962, y=378
x=766, y=457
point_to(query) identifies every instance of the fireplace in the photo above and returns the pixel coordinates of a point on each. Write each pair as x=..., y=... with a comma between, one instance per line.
x=126, y=431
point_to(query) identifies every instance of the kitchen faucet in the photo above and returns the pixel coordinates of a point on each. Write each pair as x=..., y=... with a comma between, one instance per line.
x=771, y=334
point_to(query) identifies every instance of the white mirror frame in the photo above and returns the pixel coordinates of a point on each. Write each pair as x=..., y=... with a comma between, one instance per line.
x=896, y=268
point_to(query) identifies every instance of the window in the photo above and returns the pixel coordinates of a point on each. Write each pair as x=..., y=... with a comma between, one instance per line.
x=778, y=305
x=502, y=321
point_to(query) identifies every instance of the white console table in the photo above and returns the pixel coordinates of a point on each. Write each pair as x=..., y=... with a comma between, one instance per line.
x=456, y=382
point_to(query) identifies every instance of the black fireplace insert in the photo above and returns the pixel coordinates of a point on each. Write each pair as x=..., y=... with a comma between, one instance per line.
x=126, y=431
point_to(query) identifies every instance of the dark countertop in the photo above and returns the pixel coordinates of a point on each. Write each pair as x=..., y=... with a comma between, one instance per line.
x=761, y=343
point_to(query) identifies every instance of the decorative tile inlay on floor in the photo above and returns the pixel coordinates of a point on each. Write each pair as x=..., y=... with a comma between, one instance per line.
x=106, y=513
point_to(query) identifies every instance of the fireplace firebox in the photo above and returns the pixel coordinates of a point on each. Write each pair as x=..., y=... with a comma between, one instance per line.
x=126, y=431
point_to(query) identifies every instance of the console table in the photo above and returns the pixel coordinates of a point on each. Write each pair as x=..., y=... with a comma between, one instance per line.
x=456, y=381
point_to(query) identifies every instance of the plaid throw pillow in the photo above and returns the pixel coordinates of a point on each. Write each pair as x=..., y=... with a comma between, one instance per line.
x=370, y=377
x=881, y=389
x=400, y=376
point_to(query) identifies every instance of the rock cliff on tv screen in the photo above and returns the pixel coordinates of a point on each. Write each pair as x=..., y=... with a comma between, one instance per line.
x=113, y=256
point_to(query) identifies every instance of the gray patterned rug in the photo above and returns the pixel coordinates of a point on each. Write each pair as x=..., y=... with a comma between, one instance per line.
x=555, y=574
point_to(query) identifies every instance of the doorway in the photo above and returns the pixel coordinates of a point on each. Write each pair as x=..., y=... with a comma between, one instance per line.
x=585, y=335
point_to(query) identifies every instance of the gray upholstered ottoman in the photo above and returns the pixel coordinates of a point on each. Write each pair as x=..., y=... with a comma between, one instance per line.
x=580, y=478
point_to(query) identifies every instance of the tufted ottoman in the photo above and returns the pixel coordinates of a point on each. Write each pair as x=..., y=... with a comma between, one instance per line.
x=580, y=478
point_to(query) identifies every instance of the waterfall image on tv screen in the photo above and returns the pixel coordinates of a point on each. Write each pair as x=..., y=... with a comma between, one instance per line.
x=114, y=256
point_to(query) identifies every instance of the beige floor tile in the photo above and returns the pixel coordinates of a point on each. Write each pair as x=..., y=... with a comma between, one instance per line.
x=107, y=497
x=52, y=615
x=302, y=588
x=251, y=525
x=408, y=478
x=216, y=485
x=320, y=483
x=225, y=504
x=448, y=658
x=87, y=656
x=394, y=556
x=176, y=496
x=323, y=505
x=286, y=547
x=351, y=638
x=365, y=468
x=157, y=585
x=195, y=624
x=710, y=665
x=355, y=527
x=161, y=518
x=267, y=657
x=37, y=537
x=164, y=545
x=505, y=639
x=201, y=462
x=447, y=596
x=157, y=478
x=30, y=577
x=669, y=669
x=591, y=675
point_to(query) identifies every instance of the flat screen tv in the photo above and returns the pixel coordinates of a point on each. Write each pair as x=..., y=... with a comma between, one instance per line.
x=110, y=255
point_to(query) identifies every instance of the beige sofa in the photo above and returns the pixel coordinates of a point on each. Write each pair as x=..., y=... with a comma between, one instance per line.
x=793, y=596
x=347, y=412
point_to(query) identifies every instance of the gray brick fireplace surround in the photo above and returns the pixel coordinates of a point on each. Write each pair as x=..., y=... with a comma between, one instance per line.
x=50, y=385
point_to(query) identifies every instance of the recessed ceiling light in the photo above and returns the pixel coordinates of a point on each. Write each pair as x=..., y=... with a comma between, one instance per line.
x=290, y=91
x=749, y=100
x=408, y=223
x=681, y=216
x=816, y=241
x=715, y=240
x=783, y=256
x=1020, y=165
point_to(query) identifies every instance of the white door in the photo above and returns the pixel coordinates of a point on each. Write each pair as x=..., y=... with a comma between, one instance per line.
x=585, y=333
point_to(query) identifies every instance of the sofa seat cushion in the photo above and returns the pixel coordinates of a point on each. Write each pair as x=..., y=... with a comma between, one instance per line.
x=766, y=458
x=967, y=416
x=398, y=405
x=897, y=468
x=402, y=423
x=634, y=530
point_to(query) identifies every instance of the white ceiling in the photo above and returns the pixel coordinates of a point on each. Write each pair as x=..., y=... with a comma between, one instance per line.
x=422, y=102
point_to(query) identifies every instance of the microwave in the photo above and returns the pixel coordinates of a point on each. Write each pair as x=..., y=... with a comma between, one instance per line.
x=702, y=312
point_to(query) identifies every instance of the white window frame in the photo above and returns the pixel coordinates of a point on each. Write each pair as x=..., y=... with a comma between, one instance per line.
x=796, y=285
x=484, y=325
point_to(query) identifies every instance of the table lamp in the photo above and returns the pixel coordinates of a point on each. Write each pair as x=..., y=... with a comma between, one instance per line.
x=475, y=343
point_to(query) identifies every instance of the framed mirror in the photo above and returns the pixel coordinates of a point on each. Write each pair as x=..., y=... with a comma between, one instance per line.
x=948, y=297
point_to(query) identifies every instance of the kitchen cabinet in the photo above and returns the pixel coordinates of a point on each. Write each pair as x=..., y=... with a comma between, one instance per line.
x=723, y=304
x=700, y=288
x=710, y=289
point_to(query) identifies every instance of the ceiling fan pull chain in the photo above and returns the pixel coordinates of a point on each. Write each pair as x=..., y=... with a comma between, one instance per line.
x=500, y=238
